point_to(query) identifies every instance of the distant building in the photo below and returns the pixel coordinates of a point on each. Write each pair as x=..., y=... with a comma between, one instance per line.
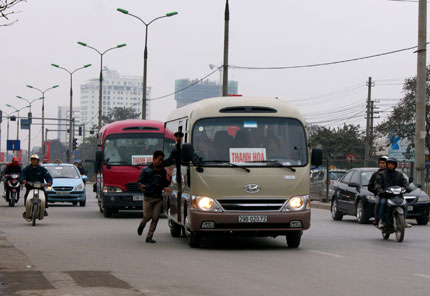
x=63, y=126
x=199, y=91
x=118, y=91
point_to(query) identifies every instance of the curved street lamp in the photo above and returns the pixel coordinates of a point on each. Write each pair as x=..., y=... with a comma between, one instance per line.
x=17, y=120
x=43, y=112
x=101, y=75
x=71, y=134
x=30, y=115
x=145, y=54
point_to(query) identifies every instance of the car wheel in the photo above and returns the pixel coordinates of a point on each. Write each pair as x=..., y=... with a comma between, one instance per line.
x=335, y=214
x=360, y=213
x=423, y=220
x=82, y=203
x=293, y=239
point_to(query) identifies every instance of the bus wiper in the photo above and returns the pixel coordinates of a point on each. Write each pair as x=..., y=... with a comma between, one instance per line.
x=277, y=163
x=230, y=164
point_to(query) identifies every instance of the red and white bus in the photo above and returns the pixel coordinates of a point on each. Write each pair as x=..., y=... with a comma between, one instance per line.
x=125, y=147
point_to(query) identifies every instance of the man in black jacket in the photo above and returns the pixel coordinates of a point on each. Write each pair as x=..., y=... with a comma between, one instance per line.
x=175, y=155
x=388, y=178
x=152, y=180
x=382, y=163
x=35, y=173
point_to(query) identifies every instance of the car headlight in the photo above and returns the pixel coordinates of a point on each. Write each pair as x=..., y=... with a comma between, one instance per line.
x=111, y=189
x=371, y=197
x=80, y=187
x=49, y=188
x=423, y=199
x=296, y=203
x=205, y=203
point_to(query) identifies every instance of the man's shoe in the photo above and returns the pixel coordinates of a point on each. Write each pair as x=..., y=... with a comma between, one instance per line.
x=407, y=225
x=45, y=213
x=24, y=215
x=381, y=225
x=150, y=240
x=140, y=229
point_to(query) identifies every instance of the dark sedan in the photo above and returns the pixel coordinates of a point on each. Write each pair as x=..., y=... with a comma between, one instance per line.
x=351, y=197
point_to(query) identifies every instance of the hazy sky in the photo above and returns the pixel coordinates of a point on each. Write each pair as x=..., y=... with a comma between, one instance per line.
x=268, y=33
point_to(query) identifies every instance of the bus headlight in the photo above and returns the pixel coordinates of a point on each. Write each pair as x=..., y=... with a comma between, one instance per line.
x=111, y=189
x=205, y=203
x=296, y=203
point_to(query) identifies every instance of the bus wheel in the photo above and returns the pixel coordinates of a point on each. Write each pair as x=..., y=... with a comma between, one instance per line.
x=194, y=239
x=293, y=239
x=107, y=212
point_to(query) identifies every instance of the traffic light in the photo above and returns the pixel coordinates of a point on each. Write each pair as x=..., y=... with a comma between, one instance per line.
x=75, y=144
x=29, y=117
x=12, y=118
x=80, y=130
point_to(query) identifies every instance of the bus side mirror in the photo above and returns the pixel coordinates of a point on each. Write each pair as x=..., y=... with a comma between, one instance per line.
x=187, y=152
x=316, y=157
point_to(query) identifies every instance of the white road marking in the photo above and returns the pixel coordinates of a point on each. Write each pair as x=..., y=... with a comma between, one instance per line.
x=326, y=254
x=426, y=276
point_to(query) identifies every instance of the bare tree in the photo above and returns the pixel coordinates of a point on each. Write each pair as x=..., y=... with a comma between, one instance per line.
x=6, y=10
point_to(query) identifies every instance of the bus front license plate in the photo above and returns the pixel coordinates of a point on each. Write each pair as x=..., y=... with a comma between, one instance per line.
x=137, y=197
x=252, y=219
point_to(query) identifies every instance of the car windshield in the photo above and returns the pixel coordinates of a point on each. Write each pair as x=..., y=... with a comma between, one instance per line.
x=69, y=172
x=336, y=175
x=250, y=141
x=131, y=149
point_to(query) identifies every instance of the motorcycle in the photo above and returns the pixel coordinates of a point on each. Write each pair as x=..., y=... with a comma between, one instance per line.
x=395, y=213
x=12, y=189
x=35, y=203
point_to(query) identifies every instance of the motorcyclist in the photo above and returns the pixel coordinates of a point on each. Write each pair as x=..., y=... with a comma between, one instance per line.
x=11, y=168
x=382, y=163
x=35, y=173
x=388, y=178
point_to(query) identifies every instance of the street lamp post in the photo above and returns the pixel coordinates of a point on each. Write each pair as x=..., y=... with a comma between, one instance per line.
x=101, y=75
x=71, y=133
x=145, y=54
x=17, y=119
x=30, y=115
x=43, y=112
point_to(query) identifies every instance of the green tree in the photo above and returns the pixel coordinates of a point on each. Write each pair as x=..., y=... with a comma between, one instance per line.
x=120, y=113
x=401, y=121
x=337, y=143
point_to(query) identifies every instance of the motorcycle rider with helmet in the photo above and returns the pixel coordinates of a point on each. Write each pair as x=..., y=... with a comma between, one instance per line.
x=34, y=172
x=382, y=163
x=388, y=178
x=11, y=168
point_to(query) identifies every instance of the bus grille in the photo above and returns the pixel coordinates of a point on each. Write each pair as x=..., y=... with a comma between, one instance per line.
x=252, y=205
x=132, y=187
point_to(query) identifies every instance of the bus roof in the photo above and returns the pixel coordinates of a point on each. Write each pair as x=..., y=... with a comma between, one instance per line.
x=237, y=106
x=132, y=126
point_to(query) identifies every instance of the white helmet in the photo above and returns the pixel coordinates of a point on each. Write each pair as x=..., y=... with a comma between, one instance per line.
x=34, y=156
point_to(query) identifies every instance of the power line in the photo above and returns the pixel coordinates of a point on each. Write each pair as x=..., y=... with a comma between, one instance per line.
x=324, y=64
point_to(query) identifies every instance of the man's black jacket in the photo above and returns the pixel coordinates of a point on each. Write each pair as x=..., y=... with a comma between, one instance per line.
x=389, y=178
x=154, y=181
x=36, y=174
x=371, y=185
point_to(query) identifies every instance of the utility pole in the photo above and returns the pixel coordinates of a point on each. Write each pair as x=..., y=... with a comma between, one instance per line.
x=225, y=64
x=368, y=140
x=420, y=132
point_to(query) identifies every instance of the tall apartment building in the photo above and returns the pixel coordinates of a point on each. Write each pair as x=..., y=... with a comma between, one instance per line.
x=117, y=91
x=199, y=91
x=63, y=126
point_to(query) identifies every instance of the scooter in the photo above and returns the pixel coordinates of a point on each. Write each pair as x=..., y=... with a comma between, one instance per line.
x=12, y=189
x=395, y=213
x=35, y=203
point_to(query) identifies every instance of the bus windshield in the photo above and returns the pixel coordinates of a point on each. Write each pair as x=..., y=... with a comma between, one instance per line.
x=131, y=149
x=250, y=141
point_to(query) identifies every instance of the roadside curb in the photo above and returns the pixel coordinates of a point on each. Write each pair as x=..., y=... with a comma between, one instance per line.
x=320, y=205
